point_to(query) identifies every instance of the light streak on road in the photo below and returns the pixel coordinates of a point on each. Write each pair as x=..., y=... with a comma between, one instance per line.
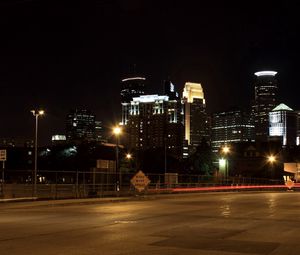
x=225, y=188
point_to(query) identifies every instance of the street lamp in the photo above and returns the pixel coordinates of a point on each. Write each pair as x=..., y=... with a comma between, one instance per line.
x=272, y=160
x=36, y=114
x=225, y=151
x=128, y=156
x=117, y=132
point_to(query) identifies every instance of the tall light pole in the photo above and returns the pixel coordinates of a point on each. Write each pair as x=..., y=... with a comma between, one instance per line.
x=272, y=160
x=129, y=159
x=117, y=132
x=36, y=114
x=225, y=151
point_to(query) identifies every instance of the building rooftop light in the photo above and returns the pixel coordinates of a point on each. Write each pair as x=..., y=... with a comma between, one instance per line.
x=282, y=107
x=150, y=98
x=265, y=73
x=134, y=78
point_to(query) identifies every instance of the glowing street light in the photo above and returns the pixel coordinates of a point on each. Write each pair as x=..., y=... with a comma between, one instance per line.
x=117, y=131
x=225, y=149
x=271, y=159
x=128, y=156
x=36, y=114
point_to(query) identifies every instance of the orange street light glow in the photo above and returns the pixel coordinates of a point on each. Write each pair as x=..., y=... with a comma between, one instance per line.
x=117, y=131
x=226, y=149
x=271, y=159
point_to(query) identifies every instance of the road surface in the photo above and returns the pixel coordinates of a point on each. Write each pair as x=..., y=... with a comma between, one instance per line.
x=203, y=223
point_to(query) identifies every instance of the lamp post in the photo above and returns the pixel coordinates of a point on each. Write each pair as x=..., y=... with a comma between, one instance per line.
x=117, y=132
x=36, y=114
x=129, y=159
x=272, y=160
x=225, y=151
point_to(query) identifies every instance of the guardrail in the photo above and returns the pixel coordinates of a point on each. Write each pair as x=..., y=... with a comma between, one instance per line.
x=77, y=184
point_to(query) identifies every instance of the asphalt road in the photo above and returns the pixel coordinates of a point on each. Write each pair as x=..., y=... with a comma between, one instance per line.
x=210, y=224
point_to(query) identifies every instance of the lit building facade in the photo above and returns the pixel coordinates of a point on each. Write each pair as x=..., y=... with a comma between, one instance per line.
x=58, y=139
x=130, y=87
x=231, y=127
x=155, y=122
x=80, y=126
x=196, y=122
x=99, y=132
x=266, y=87
x=283, y=124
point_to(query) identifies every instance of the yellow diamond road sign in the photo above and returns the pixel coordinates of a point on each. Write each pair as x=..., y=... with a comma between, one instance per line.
x=2, y=155
x=140, y=181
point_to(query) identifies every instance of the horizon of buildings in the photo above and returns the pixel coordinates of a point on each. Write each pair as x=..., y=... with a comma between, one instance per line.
x=183, y=121
x=221, y=128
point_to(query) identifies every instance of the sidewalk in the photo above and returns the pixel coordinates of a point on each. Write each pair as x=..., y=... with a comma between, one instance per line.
x=29, y=202
x=33, y=202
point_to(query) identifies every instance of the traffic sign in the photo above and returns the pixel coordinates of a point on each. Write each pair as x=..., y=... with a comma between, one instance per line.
x=140, y=181
x=2, y=155
x=290, y=184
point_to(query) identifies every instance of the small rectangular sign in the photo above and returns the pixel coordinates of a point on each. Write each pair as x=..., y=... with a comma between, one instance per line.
x=2, y=155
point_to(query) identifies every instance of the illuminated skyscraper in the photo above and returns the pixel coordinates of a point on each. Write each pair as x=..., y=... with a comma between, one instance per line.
x=130, y=87
x=195, y=117
x=155, y=122
x=80, y=126
x=283, y=124
x=99, y=132
x=169, y=90
x=265, y=100
x=231, y=127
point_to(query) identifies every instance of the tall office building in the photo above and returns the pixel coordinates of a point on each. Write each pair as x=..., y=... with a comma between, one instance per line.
x=155, y=122
x=283, y=124
x=169, y=90
x=195, y=118
x=264, y=102
x=99, y=132
x=231, y=127
x=130, y=87
x=80, y=126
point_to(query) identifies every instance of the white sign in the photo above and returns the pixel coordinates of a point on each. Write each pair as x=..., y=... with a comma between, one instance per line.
x=2, y=155
x=140, y=181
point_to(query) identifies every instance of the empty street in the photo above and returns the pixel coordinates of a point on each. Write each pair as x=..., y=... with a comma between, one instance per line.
x=202, y=223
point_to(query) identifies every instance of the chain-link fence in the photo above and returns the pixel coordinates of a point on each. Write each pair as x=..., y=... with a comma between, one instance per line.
x=78, y=184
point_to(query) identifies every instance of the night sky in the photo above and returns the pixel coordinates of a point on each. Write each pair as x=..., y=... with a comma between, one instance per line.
x=61, y=55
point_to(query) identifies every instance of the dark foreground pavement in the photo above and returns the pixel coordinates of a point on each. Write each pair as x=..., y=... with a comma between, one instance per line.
x=210, y=224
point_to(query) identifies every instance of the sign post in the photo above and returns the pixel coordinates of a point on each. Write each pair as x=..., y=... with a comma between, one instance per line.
x=3, y=159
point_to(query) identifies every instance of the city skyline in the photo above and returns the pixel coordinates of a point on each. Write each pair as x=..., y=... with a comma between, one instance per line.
x=62, y=57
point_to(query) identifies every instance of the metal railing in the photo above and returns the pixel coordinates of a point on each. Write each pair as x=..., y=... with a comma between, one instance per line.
x=78, y=184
